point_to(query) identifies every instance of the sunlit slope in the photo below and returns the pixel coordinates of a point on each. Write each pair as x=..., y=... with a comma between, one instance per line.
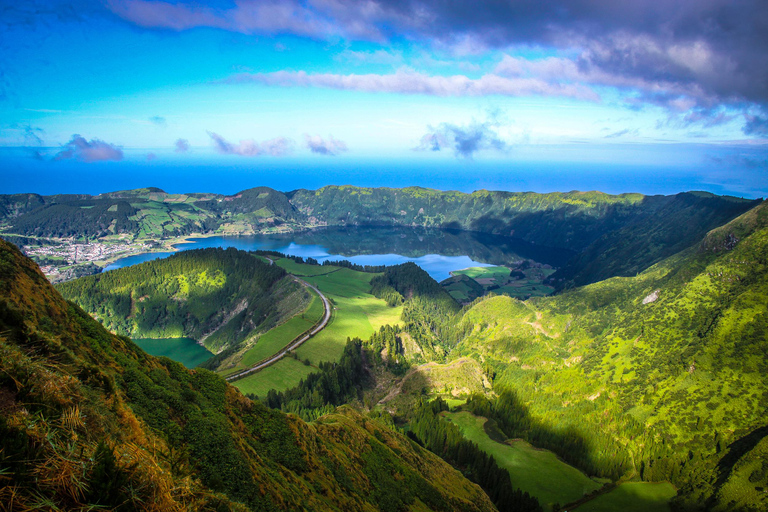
x=356, y=313
x=658, y=373
x=88, y=420
x=216, y=296
x=538, y=472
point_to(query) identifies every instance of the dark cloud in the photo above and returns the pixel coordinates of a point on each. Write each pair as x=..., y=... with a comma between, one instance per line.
x=699, y=54
x=756, y=125
x=181, y=146
x=321, y=146
x=710, y=49
x=279, y=146
x=159, y=121
x=94, y=150
x=464, y=141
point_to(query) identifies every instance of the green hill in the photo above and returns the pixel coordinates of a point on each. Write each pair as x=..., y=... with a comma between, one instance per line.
x=661, y=376
x=219, y=297
x=88, y=420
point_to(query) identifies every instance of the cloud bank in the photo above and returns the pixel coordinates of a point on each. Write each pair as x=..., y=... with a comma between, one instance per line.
x=89, y=151
x=279, y=146
x=713, y=47
x=411, y=82
x=320, y=146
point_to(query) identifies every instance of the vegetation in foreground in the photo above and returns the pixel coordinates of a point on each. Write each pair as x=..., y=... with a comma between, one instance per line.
x=88, y=420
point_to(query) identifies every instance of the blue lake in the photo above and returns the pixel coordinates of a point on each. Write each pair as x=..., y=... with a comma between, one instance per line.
x=438, y=252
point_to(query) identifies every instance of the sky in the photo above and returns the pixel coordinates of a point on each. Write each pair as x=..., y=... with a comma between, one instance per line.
x=620, y=96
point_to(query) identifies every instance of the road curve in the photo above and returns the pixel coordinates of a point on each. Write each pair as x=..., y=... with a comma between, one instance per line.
x=296, y=343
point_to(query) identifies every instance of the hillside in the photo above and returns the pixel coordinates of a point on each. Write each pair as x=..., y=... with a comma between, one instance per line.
x=216, y=296
x=87, y=420
x=661, y=376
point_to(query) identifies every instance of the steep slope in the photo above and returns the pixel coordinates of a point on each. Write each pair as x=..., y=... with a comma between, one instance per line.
x=571, y=220
x=216, y=296
x=87, y=419
x=661, y=376
x=650, y=237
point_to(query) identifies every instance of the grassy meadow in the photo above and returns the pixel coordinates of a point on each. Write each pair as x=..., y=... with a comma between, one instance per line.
x=520, y=282
x=633, y=497
x=356, y=313
x=538, y=472
x=284, y=374
x=271, y=342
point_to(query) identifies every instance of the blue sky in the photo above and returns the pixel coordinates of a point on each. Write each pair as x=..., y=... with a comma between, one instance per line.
x=668, y=95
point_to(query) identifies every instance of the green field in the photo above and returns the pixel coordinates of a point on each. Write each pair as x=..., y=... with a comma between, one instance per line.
x=184, y=350
x=356, y=313
x=538, y=472
x=497, y=273
x=284, y=374
x=633, y=497
x=301, y=269
x=526, y=281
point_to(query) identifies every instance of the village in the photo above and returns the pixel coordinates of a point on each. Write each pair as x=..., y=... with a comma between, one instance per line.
x=65, y=260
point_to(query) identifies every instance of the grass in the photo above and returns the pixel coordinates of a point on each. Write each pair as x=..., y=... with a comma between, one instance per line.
x=184, y=350
x=280, y=376
x=633, y=497
x=271, y=342
x=538, y=472
x=356, y=313
x=459, y=291
x=498, y=273
x=300, y=269
x=499, y=281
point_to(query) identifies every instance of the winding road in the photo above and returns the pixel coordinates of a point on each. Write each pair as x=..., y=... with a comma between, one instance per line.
x=295, y=343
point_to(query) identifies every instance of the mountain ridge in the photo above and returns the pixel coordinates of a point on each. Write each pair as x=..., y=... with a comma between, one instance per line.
x=589, y=223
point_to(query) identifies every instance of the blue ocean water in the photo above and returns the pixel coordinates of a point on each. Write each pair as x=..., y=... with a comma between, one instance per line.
x=741, y=173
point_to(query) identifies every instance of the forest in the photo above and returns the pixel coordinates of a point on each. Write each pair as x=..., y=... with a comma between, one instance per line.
x=217, y=296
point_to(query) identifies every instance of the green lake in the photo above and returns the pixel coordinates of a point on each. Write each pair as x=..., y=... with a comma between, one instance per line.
x=184, y=350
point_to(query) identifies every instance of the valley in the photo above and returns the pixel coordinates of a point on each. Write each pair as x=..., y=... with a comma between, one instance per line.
x=633, y=377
